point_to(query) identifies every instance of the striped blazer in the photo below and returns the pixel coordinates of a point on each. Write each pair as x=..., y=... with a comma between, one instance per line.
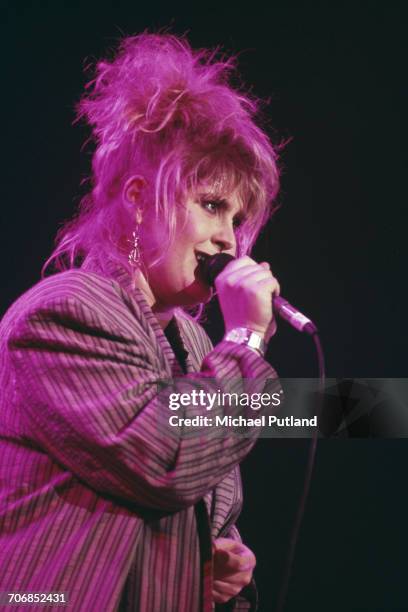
x=100, y=497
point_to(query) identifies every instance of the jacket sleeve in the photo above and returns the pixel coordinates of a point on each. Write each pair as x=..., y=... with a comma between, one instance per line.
x=86, y=384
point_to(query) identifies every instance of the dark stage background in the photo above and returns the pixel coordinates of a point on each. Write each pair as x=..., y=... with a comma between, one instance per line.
x=336, y=76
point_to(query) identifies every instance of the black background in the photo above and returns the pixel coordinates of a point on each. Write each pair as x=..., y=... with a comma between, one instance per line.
x=337, y=79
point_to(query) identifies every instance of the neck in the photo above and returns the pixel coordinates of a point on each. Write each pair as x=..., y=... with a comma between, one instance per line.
x=163, y=314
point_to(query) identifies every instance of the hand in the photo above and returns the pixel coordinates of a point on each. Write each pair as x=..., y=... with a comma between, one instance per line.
x=245, y=290
x=233, y=567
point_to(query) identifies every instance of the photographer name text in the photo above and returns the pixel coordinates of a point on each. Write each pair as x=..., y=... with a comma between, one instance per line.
x=241, y=421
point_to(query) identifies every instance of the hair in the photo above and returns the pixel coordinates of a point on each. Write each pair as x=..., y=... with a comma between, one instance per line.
x=161, y=110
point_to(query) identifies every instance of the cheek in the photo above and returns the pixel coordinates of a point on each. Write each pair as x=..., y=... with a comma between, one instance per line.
x=152, y=241
x=197, y=224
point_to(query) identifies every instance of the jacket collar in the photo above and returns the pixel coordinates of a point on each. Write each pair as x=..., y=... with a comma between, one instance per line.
x=119, y=273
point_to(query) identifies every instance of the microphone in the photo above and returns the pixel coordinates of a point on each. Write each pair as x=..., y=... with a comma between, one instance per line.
x=212, y=266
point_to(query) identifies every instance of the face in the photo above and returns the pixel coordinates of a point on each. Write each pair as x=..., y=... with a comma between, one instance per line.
x=206, y=225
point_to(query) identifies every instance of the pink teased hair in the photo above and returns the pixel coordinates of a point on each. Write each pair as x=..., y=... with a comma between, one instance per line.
x=168, y=113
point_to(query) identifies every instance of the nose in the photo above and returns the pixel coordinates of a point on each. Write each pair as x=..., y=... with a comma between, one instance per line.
x=224, y=238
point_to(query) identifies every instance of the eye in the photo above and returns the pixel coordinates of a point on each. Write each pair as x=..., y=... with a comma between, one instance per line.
x=214, y=207
x=210, y=205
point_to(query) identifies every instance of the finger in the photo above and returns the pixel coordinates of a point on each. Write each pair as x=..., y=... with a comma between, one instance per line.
x=266, y=265
x=228, y=562
x=226, y=544
x=240, y=579
x=245, y=276
x=227, y=588
x=271, y=284
x=235, y=550
x=223, y=591
x=241, y=273
x=236, y=264
x=233, y=546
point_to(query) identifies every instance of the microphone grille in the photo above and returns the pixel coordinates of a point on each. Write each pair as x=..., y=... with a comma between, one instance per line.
x=213, y=265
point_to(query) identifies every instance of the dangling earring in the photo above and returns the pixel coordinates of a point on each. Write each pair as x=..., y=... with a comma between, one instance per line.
x=134, y=253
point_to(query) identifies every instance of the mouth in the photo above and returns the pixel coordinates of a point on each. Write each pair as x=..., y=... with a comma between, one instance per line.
x=201, y=257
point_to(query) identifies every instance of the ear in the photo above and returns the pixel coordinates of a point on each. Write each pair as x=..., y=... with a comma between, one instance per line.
x=132, y=194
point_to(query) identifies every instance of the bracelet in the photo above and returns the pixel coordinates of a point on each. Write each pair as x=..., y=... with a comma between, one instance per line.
x=243, y=335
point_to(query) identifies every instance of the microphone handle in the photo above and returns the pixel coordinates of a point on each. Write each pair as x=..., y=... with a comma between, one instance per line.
x=293, y=316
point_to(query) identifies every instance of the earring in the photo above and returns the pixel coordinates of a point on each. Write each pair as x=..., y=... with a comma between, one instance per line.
x=134, y=253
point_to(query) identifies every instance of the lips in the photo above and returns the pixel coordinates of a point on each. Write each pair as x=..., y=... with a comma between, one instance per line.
x=201, y=256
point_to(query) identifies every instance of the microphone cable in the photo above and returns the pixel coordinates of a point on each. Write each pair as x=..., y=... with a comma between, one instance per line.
x=290, y=557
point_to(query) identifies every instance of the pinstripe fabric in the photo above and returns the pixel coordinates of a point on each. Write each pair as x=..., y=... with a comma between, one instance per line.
x=100, y=497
